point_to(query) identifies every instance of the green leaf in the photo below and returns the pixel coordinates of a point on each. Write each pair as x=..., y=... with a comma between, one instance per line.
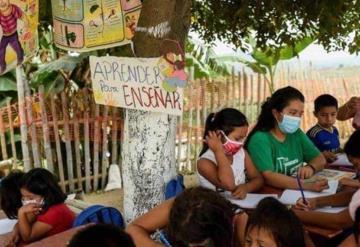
x=256, y=67
x=7, y=83
x=94, y=8
x=289, y=52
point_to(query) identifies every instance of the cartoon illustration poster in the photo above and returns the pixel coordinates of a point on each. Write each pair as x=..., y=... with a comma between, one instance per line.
x=149, y=84
x=86, y=25
x=18, y=21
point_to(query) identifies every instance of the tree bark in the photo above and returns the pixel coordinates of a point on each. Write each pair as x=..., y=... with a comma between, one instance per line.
x=149, y=138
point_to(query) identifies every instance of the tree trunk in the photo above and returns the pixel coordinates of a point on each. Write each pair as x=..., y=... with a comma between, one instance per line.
x=149, y=138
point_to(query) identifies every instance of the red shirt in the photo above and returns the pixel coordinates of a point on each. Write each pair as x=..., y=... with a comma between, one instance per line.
x=9, y=23
x=59, y=216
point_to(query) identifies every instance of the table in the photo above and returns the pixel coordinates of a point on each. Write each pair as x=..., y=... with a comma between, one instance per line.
x=327, y=233
x=58, y=240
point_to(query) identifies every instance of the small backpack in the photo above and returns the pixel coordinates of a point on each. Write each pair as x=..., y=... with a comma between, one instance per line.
x=174, y=187
x=99, y=214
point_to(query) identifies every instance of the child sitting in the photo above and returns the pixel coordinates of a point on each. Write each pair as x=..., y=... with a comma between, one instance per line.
x=10, y=197
x=272, y=224
x=224, y=165
x=197, y=217
x=101, y=235
x=43, y=212
x=324, y=134
x=352, y=150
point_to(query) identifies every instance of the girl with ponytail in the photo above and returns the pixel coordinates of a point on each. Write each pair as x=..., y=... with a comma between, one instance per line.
x=279, y=148
x=223, y=161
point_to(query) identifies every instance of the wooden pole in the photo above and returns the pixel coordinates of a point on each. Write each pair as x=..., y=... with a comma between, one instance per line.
x=34, y=140
x=77, y=148
x=23, y=120
x=87, y=143
x=96, y=146
x=105, y=151
x=12, y=136
x=57, y=143
x=69, y=159
x=45, y=128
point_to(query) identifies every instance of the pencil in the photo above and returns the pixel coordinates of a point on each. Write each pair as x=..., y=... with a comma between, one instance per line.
x=301, y=189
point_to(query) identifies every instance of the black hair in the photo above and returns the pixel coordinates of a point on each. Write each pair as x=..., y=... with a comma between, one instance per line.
x=41, y=182
x=352, y=146
x=274, y=217
x=278, y=101
x=356, y=226
x=325, y=100
x=198, y=214
x=10, y=195
x=101, y=235
x=226, y=120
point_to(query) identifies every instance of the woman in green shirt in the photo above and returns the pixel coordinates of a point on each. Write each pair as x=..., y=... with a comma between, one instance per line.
x=279, y=148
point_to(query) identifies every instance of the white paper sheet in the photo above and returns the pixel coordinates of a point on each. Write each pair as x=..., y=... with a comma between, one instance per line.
x=289, y=197
x=332, y=210
x=6, y=225
x=342, y=160
x=251, y=200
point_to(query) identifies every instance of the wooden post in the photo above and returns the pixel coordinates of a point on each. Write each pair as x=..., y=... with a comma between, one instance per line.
x=87, y=157
x=233, y=87
x=57, y=143
x=2, y=137
x=189, y=136
x=23, y=120
x=77, y=147
x=105, y=151
x=46, y=134
x=259, y=86
x=69, y=158
x=251, y=117
x=96, y=147
x=34, y=140
x=114, y=135
x=12, y=137
x=245, y=94
x=240, y=92
x=198, y=123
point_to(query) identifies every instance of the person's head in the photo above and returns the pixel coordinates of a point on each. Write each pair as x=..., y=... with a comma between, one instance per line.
x=325, y=110
x=40, y=186
x=4, y=5
x=283, y=109
x=101, y=235
x=352, y=149
x=230, y=123
x=10, y=195
x=272, y=224
x=201, y=217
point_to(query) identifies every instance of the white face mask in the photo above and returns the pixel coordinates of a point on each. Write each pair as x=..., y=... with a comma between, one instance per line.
x=34, y=201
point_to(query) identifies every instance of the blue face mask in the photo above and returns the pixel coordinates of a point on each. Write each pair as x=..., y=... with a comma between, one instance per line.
x=289, y=124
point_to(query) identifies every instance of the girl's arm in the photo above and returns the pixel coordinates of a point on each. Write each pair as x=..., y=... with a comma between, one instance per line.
x=30, y=232
x=141, y=228
x=282, y=181
x=318, y=163
x=338, y=221
x=220, y=175
x=255, y=177
x=348, y=110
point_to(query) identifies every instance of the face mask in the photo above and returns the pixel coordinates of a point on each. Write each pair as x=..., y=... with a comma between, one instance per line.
x=231, y=147
x=26, y=202
x=289, y=124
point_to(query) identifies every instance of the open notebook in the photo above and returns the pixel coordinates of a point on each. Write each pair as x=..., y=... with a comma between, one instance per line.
x=251, y=200
x=289, y=197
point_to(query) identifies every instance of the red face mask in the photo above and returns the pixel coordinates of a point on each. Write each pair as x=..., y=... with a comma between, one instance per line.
x=231, y=147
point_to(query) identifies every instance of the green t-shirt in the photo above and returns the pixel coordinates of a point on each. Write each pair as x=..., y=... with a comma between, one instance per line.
x=269, y=154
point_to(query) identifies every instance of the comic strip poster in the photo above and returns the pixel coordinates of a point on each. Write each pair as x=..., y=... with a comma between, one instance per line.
x=19, y=21
x=86, y=25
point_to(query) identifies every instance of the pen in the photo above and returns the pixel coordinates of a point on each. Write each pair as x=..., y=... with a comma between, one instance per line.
x=301, y=189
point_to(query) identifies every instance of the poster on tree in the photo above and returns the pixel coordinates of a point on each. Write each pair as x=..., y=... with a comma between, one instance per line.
x=149, y=84
x=19, y=21
x=86, y=25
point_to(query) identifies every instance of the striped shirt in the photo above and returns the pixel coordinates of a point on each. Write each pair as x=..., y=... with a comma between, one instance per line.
x=9, y=22
x=324, y=139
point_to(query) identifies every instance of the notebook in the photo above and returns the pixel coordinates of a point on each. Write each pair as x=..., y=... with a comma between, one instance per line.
x=290, y=197
x=342, y=160
x=251, y=200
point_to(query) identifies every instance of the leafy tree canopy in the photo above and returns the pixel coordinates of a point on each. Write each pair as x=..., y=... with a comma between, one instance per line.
x=276, y=23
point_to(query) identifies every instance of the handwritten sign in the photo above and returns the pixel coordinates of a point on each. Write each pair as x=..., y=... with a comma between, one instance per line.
x=85, y=25
x=19, y=21
x=149, y=84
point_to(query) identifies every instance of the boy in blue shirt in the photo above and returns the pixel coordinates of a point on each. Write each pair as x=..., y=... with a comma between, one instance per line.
x=324, y=134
